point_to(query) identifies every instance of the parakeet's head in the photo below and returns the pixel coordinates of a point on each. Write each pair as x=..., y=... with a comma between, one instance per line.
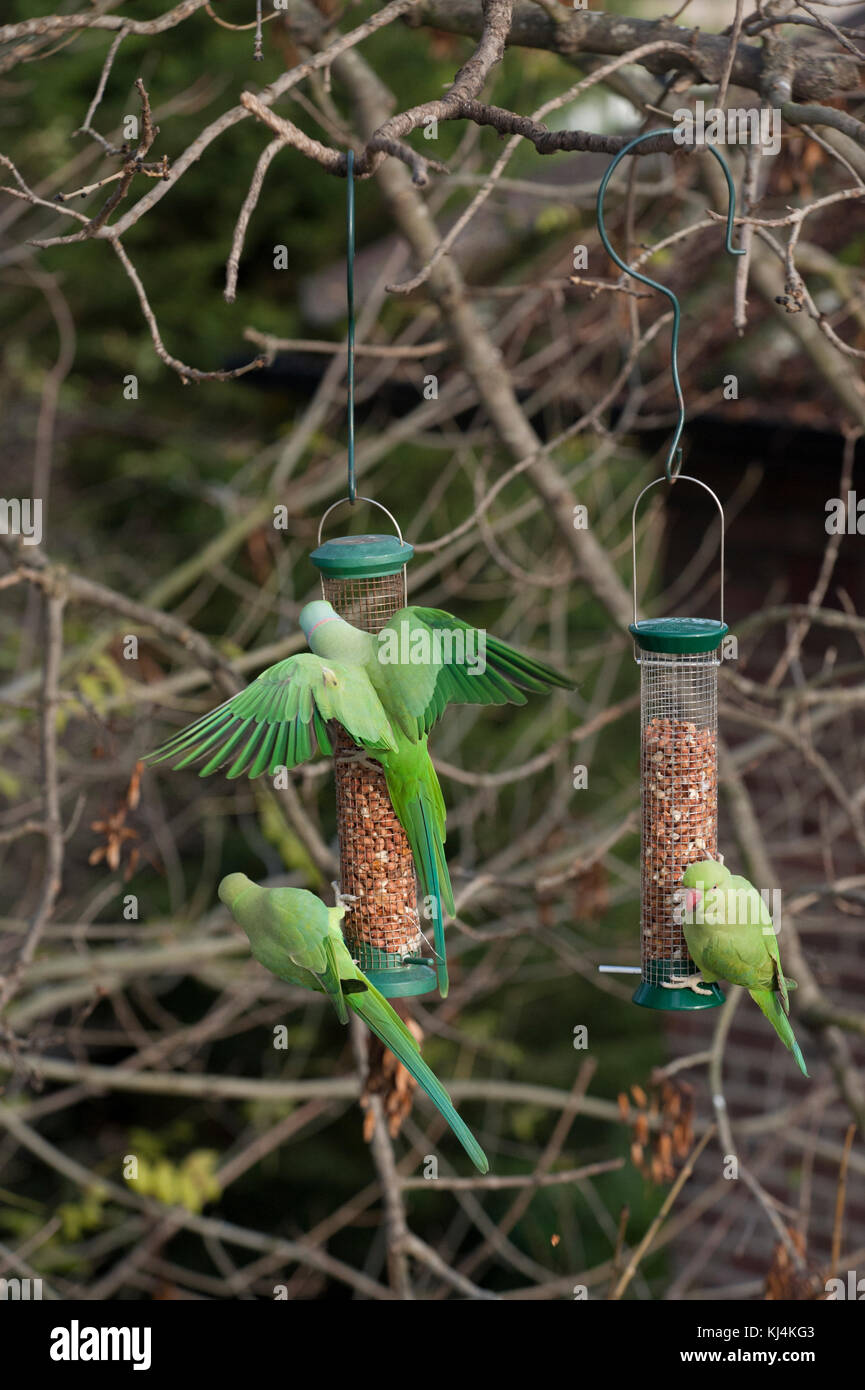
x=231, y=888
x=330, y=636
x=701, y=878
x=314, y=615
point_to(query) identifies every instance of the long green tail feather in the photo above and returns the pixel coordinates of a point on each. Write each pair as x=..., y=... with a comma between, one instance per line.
x=379, y=1017
x=428, y=857
x=767, y=1000
x=419, y=813
x=436, y=869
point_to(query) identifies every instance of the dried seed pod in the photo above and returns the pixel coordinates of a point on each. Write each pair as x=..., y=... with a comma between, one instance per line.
x=681, y=1142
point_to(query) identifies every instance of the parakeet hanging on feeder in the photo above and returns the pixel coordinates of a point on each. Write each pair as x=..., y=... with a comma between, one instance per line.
x=731, y=936
x=419, y=662
x=386, y=690
x=295, y=936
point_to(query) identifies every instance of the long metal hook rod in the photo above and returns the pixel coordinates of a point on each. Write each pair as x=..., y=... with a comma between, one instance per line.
x=349, y=289
x=674, y=450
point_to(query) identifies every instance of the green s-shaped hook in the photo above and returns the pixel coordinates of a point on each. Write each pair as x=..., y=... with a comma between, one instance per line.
x=675, y=450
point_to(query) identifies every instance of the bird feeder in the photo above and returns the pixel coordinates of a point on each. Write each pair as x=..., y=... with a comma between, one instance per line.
x=364, y=578
x=678, y=660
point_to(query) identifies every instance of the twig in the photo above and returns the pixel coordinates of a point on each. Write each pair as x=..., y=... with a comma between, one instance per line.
x=380, y=351
x=54, y=837
x=840, y=1197
x=185, y=372
x=86, y=126
x=265, y=159
x=496, y=1184
x=398, y=1239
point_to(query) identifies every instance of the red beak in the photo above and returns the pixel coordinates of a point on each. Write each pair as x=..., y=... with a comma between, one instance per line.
x=692, y=897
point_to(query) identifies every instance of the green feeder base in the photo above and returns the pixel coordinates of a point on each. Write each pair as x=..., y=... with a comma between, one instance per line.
x=396, y=977
x=674, y=1000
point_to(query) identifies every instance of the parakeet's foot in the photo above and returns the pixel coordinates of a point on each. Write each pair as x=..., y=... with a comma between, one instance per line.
x=361, y=760
x=693, y=982
x=343, y=900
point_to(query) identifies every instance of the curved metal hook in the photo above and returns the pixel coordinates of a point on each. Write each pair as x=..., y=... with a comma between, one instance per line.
x=674, y=450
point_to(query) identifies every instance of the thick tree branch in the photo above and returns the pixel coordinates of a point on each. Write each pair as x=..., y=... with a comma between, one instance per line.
x=816, y=76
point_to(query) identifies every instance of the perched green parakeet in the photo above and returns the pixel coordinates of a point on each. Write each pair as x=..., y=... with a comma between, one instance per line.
x=730, y=936
x=297, y=938
x=386, y=690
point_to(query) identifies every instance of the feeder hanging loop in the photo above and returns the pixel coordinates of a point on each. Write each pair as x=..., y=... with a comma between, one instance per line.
x=349, y=290
x=365, y=557
x=715, y=498
x=674, y=453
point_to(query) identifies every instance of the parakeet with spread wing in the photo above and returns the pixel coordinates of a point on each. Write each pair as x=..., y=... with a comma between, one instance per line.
x=386, y=690
x=297, y=938
x=731, y=936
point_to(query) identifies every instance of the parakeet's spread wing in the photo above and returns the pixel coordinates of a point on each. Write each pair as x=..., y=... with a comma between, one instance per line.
x=281, y=718
x=475, y=668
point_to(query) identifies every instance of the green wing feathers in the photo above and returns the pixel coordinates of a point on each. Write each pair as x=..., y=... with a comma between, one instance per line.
x=757, y=915
x=380, y=1018
x=330, y=981
x=477, y=668
x=280, y=720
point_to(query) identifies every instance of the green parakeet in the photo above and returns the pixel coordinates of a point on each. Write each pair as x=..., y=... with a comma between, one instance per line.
x=730, y=936
x=297, y=938
x=386, y=690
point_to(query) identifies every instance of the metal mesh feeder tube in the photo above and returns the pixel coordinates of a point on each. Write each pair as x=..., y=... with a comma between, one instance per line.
x=364, y=578
x=679, y=660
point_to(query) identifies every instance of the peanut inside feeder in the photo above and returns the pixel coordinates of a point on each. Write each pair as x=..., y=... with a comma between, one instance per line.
x=363, y=577
x=679, y=660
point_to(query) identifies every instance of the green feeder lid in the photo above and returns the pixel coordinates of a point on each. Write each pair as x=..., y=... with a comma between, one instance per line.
x=361, y=557
x=678, y=634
